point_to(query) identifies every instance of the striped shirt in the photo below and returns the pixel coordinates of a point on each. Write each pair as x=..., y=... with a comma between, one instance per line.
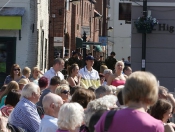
x=25, y=115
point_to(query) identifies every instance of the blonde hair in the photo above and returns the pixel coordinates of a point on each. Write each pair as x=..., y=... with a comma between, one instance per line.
x=141, y=86
x=120, y=62
x=102, y=68
x=26, y=71
x=34, y=69
x=59, y=89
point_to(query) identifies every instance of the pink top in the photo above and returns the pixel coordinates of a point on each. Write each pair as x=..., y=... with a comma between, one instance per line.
x=129, y=120
x=117, y=82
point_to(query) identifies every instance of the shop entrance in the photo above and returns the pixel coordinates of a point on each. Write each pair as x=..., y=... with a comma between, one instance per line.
x=7, y=56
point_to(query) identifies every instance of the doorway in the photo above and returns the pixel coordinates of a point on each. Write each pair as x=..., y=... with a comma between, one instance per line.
x=7, y=56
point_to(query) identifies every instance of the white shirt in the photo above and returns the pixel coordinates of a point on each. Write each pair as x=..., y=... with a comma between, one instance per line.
x=92, y=75
x=51, y=73
x=48, y=124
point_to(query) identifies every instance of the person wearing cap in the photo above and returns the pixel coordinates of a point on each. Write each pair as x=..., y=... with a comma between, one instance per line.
x=90, y=76
x=111, y=61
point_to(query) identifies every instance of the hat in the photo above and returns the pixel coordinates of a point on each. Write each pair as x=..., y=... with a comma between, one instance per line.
x=23, y=81
x=89, y=57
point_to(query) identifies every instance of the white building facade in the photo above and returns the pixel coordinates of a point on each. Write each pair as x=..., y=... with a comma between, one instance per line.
x=23, y=34
x=119, y=39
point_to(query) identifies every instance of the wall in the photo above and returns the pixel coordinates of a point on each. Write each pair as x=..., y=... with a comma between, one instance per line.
x=120, y=36
x=160, y=45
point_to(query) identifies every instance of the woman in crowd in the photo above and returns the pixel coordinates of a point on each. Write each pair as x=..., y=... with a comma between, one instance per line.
x=11, y=100
x=15, y=74
x=26, y=72
x=74, y=78
x=35, y=75
x=118, y=78
x=70, y=117
x=43, y=83
x=10, y=86
x=162, y=110
x=22, y=82
x=64, y=92
x=140, y=92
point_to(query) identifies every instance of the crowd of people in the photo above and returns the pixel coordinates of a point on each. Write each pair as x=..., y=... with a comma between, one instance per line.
x=107, y=98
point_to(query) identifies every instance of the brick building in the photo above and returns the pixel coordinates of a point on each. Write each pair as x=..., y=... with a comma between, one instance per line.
x=67, y=22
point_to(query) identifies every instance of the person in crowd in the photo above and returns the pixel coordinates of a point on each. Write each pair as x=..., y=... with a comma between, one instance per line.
x=106, y=102
x=54, y=83
x=11, y=100
x=26, y=73
x=73, y=89
x=74, y=58
x=127, y=70
x=94, y=119
x=162, y=110
x=102, y=68
x=102, y=91
x=36, y=73
x=128, y=63
x=15, y=74
x=89, y=76
x=2, y=89
x=51, y=104
x=74, y=78
x=81, y=61
x=64, y=92
x=70, y=117
x=106, y=73
x=58, y=65
x=22, y=82
x=64, y=82
x=25, y=114
x=10, y=86
x=102, y=78
x=111, y=61
x=92, y=88
x=98, y=62
x=83, y=97
x=140, y=92
x=165, y=94
x=43, y=83
x=118, y=78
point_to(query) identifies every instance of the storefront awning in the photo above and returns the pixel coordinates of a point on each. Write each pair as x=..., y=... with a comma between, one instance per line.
x=10, y=18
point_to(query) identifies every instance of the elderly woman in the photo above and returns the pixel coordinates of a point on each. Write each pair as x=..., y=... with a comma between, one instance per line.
x=63, y=91
x=162, y=110
x=15, y=74
x=70, y=117
x=118, y=78
x=140, y=92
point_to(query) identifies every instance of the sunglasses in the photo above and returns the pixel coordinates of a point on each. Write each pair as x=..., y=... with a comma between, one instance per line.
x=65, y=92
x=16, y=69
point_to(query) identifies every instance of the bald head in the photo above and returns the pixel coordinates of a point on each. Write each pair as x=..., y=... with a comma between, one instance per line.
x=51, y=104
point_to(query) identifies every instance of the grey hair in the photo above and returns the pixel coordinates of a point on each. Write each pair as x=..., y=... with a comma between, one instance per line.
x=107, y=71
x=105, y=103
x=70, y=116
x=102, y=91
x=29, y=89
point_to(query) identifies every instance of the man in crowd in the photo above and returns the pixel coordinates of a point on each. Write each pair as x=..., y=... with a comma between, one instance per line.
x=25, y=114
x=51, y=104
x=111, y=61
x=89, y=76
x=74, y=59
x=58, y=66
x=54, y=82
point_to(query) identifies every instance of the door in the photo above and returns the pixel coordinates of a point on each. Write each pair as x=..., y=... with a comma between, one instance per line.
x=7, y=56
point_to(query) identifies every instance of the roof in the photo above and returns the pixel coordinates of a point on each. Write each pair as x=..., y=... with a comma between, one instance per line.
x=12, y=11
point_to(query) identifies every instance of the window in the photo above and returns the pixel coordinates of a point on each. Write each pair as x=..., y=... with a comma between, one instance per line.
x=125, y=11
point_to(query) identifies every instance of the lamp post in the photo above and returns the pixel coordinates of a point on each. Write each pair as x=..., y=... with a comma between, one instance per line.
x=84, y=47
x=144, y=38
